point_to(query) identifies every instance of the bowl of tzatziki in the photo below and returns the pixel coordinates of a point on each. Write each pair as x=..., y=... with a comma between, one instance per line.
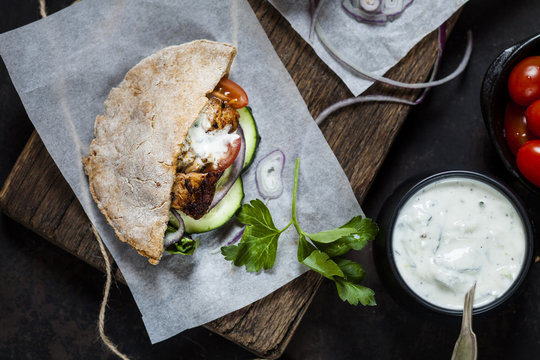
x=450, y=231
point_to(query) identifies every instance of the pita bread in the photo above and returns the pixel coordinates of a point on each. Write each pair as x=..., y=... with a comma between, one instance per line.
x=132, y=159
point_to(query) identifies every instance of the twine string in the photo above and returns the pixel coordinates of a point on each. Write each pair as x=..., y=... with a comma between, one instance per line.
x=106, y=291
x=108, y=268
x=42, y=9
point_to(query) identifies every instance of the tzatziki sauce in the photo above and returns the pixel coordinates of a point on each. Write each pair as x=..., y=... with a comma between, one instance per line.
x=454, y=232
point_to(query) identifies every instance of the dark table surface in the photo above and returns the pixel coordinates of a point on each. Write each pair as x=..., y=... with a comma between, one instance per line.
x=49, y=300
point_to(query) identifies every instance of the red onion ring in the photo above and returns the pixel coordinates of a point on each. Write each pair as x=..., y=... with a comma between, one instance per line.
x=174, y=237
x=236, y=170
x=263, y=172
x=378, y=17
x=374, y=77
x=236, y=237
x=441, y=39
x=314, y=15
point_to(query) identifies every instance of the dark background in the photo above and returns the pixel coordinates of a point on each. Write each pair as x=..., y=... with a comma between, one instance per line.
x=49, y=300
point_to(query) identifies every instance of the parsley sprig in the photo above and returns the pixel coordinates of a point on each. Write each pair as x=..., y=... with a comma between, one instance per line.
x=319, y=251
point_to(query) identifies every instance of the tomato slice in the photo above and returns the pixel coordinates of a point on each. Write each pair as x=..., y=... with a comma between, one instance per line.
x=229, y=91
x=225, y=162
x=524, y=81
x=515, y=127
x=528, y=161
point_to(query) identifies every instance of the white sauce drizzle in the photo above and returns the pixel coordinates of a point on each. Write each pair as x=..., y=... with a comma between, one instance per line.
x=454, y=232
x=202, y=146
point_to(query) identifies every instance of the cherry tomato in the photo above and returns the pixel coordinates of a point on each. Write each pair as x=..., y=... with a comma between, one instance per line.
x=515, y=127
x=225, y=162
x=228, y=90
x=524, y=81
x=533, y=117
x=528, y=161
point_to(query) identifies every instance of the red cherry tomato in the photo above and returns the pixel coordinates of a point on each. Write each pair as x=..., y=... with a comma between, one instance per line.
x=533, y=117
x=524, y=81
x=515, y=127
x=230, y=156
x=228, y=90
x=528, y=161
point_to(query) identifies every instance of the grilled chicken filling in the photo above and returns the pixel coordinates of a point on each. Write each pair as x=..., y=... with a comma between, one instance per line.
x=201, y=162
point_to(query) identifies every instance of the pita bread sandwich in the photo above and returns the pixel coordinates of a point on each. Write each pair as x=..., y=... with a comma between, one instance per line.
x=169, y=149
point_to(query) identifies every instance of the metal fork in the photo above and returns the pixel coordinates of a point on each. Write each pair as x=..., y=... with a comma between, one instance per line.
x=465, y=348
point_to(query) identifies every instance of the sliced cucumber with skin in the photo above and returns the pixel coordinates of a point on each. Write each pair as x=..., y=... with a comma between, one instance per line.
x=251, y=135
x=220, y=214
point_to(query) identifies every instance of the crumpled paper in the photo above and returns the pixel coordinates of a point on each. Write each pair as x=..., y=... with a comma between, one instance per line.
x=63, y=68
x=374, y=48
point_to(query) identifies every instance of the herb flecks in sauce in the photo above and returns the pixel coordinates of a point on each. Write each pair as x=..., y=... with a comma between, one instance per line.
x=456, y=231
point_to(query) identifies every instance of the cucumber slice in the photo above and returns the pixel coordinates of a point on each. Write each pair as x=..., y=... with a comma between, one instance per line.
x=247, y=122
x=220, y=214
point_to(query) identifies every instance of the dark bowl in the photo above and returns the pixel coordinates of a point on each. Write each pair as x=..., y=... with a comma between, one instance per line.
x=384, y=254
x=494, y=97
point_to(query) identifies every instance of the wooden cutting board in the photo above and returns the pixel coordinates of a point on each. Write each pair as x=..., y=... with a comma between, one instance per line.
x=36, y=195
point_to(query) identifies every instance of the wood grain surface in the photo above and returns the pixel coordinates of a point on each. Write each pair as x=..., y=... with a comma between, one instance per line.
x=36, y=195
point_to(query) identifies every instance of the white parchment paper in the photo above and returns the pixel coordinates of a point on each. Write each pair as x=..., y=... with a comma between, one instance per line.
x=63, y=68
x=375, y=48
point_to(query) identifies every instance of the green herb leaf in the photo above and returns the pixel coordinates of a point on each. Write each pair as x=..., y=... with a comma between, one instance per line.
x=366, y=230
x=230, y=252
x=361, y=231
x=258, y=247
x=321, y=263
x=329, y=236
x=337, y=248
x=305, y=248
x=185, y=246
x=257, y=214
x=353, y=271
x=355, y=293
